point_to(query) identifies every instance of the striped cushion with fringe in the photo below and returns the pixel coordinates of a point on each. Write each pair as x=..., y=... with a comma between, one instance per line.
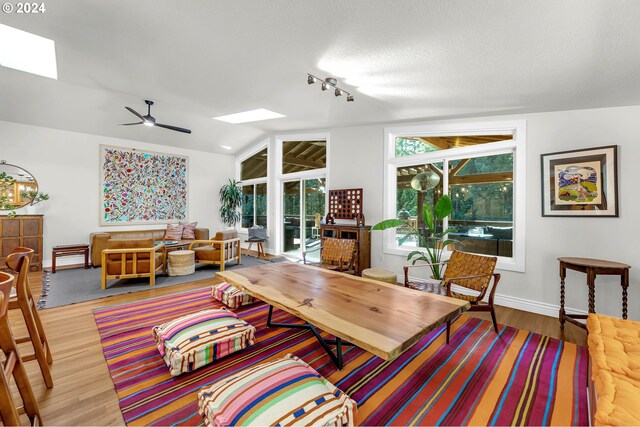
x=281, y=392
x=174, y=232
x=231, y=296
x=197, y=339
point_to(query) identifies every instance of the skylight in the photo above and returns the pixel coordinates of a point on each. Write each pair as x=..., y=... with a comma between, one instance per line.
x=28, y=52
x=250, y=116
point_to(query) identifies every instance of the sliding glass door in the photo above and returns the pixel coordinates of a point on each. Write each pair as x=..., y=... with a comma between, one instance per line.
x=303, y=207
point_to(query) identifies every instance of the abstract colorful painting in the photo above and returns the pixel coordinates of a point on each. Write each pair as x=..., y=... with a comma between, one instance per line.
x=580, y=182
x=142, y=187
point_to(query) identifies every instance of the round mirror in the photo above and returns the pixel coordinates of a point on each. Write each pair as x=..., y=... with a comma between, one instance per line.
x=17, y=186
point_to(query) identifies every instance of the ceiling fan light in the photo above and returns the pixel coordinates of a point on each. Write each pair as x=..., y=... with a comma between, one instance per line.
x=148, y=123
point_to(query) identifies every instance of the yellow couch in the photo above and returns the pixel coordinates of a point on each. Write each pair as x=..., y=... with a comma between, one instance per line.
x=614, y=350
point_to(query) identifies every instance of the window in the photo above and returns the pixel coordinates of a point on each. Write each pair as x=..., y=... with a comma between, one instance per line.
x=253, y=176
x=254, y=205
x=480, y=167
x=255, y=166
x=300, y=156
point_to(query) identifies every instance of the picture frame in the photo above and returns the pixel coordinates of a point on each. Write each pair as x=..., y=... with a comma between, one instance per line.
x=580, y=183
x=142, y=187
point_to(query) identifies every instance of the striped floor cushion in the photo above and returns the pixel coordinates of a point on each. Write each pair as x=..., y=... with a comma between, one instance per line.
x=197, y=339
x=281, y=392
x=231, y=296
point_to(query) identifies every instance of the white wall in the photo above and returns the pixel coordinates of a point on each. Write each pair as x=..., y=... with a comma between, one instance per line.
x=66, y=165
x=356, y=158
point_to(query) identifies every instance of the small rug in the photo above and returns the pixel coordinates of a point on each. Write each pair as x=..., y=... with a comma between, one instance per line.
x=75, y=285
x=481, y=378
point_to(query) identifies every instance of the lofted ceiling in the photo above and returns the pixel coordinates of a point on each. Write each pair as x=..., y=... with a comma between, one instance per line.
x=402, y=60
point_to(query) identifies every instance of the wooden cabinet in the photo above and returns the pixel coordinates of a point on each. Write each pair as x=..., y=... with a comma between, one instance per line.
x=360, y=234
x=25, y=231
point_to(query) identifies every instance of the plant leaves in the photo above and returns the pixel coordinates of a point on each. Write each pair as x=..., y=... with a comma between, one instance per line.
x=427, y=214
x=443, y=207
x=389, y=223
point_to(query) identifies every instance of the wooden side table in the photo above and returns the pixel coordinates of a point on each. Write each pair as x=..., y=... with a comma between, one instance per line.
x=592, y=268
x=66, y=250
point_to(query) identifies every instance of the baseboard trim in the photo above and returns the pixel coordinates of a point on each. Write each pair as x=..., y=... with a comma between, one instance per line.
x=532, y=306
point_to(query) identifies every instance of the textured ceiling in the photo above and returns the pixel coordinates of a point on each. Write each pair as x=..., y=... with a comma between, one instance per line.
x=402, y=60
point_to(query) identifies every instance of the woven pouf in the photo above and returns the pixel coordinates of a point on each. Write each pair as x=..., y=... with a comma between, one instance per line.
x=195, y=340
x=231, y=296
x=381, y=275
x=181, y=263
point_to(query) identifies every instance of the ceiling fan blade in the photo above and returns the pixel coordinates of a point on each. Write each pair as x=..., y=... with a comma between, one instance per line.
x=160, y=125
x=130, y=124
x=136, y=113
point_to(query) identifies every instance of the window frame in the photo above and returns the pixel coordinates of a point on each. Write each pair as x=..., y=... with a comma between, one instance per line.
x=253, y=182
x=280, y=178
x=517, y=146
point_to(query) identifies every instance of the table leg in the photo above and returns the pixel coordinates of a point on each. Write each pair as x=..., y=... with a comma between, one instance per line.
x=336, y=357
x=624, y=279
x=53, y=262
x=563, y=273
x=86, y=258
x=591, y=283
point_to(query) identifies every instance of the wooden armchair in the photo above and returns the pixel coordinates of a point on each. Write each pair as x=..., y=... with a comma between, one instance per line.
x=129, y=259
x=225, y=246
x=336, y=254
x=470, y=271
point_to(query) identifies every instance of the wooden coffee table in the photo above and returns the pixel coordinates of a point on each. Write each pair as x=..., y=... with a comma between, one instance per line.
x=381, y=318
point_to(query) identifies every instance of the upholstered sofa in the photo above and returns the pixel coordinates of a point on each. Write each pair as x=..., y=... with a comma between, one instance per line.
x=99, y=240
x=614, y=382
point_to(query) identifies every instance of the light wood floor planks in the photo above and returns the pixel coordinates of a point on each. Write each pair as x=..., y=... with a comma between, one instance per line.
x=84, y=394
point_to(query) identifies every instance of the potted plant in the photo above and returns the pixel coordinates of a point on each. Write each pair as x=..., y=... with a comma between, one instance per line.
x=34, y=197
x=230, y=203
x=433, y=241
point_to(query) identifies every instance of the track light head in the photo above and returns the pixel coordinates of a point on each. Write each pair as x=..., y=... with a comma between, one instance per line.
x=324, y=86
x=349, y=98
x=310, y=79
x=338, y=92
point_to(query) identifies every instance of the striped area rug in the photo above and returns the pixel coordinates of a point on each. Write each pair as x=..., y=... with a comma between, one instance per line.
x=481, y=378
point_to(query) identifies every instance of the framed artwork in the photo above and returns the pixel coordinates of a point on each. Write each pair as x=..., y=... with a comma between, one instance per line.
x=580, y=182
x=142, y=187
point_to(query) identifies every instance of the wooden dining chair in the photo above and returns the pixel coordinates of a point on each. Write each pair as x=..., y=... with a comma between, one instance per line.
x=18, y=261
x=13, y=366
x=470, y=271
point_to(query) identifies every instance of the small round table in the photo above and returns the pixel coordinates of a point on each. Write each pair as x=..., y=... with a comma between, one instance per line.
x=592, y=268
x=381, y=275
x=181, y=263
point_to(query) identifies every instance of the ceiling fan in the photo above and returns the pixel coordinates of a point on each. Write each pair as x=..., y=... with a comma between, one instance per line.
x=149, y=120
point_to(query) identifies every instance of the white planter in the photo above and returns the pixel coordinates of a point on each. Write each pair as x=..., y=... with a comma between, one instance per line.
x=30, y=210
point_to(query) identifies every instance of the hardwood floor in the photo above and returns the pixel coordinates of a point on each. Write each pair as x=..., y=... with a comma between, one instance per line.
x=83, y=393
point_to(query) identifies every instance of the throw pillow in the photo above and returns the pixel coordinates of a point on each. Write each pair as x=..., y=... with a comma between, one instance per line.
x=189, y=231
x=174, y=232
x=281, y=392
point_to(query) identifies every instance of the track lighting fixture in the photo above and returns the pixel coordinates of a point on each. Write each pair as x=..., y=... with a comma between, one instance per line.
x=327, y=83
